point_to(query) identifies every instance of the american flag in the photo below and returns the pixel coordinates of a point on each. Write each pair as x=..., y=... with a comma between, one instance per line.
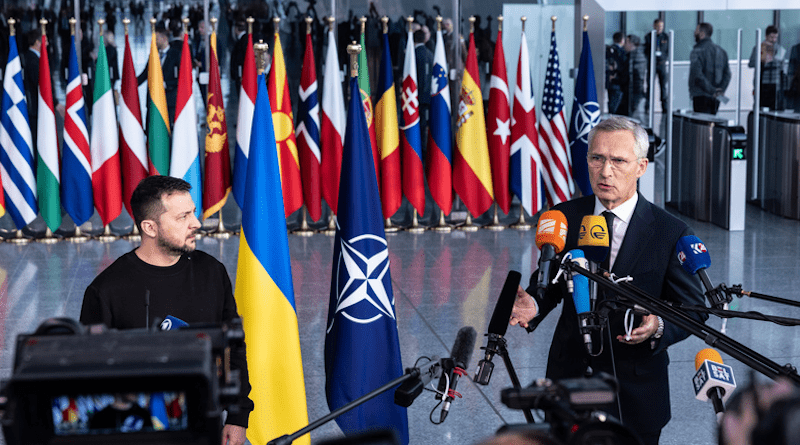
x=553, y=139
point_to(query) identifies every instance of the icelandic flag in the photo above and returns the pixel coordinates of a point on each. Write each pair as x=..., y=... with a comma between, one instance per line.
x=585, y=116
x=76, y=163
x=440, y=134
x=16, y=144
x=362, y=348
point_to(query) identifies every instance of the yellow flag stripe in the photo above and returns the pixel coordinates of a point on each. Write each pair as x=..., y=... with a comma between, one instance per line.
x=472, y=136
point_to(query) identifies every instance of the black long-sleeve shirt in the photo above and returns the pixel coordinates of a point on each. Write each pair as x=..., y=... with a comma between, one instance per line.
x=196, y=289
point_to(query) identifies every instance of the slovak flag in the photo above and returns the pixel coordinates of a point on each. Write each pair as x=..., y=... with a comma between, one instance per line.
x=411, y=140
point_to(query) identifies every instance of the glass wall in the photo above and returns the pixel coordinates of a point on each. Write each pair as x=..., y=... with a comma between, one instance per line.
x=726, y=24
x=640, y=23
x=789, y=28
x=684, y=24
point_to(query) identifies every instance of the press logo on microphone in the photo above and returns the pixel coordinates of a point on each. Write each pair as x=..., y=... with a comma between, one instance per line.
x=548, y=226
x=597, y=232
x=166, y=325
x=698, y=248
x=681, y=257
x=721, y=372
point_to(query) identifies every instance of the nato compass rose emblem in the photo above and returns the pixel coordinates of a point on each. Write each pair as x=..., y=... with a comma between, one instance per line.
x=588, y=117
x=363, y=280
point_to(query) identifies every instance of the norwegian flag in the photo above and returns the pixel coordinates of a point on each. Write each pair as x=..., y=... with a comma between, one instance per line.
x=498, y=126
x=553, y=136
x=308, y=134
x=411, y=141
x=526, y=162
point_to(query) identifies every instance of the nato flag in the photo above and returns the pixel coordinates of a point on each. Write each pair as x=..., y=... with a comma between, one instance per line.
x=585, y=116
x=362, y=349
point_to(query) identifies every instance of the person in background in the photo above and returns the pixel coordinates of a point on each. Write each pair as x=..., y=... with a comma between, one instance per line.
x=662, y=55
x=636, y=65
x=616, y=74
x=773, y=68
x=709, y=71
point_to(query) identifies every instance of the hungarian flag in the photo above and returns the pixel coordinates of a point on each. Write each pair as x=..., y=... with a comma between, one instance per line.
x=585, y=116
x=106, y=177
x=472, y=173
x=217, y=183
x=413, y=180
x=499, y=126
x=132, y=145
x=308, y=133
x=76, y=168
x=440, y=151
x=526, y=162
x=16, y=146
x=158, y=135
x=283, y=121
x=47, y=180
x=244, y=122
x=553, y=137
x=185, y=160
x=388, y=136
x=333, y=123
x=366, y=99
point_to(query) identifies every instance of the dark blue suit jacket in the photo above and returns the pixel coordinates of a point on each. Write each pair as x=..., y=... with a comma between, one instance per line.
x=648, y=255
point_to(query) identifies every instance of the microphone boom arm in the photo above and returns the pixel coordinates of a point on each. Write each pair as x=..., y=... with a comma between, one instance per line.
x=709, y=335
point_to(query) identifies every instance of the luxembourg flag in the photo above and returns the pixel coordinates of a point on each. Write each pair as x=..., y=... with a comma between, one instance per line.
x=185, y=160
x=411, y=146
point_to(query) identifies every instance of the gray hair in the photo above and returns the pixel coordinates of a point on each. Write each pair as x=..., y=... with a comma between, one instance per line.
x=619, y=123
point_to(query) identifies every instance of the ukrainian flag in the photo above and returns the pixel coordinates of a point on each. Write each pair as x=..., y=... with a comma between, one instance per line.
x=264, y=292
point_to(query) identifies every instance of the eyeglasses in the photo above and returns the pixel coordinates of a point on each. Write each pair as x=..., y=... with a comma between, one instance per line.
x=597, y=161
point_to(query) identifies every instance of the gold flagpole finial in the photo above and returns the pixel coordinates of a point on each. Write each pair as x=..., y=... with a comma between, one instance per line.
x=153, y=25
x=100, y=23
x=585, y=22
x=363, y=21
x=523, y=19
x=354, y=49
x=43, y=23
x=72, y=22
x=125, y=22
x=11, y=23
x=385, y=24
x=260, y=49
x=185, y=25
x=309, y=21
x=331, y=21
x=250, y=21
x=472, y=24
x=439, y=22
x=554, y=18
x=500, y=22
x=410, y=20
x=213, y=21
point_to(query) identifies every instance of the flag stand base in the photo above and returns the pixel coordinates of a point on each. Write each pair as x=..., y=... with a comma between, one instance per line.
x=331, y=230
x=388, y=227
x=134, y=236
x=495, y=226
x=19, y=239
x=468, y=226
x=49, y=238
x=442, y=227
x=78, y=237
x=304, y=230
x=521, y=224
x=221, y=233
x=107, y=236
x=415, y=227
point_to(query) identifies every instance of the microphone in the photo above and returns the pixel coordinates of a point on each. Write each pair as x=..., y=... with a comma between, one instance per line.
x=498, y=326
x=407, y=392
x=593, y=239
x=171, y=323
x=551, y=235
x=459, y=362
x=578, y=286
x=713, y=380
x=694, y=258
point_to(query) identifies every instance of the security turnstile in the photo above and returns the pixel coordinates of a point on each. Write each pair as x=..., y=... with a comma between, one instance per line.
x=709, y=170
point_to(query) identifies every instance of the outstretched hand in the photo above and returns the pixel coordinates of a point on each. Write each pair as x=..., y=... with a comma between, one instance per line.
x=524, y=309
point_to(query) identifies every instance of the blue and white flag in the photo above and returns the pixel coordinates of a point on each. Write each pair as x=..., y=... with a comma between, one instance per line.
x=362, y=348
x=585, y=116
x=16, y=144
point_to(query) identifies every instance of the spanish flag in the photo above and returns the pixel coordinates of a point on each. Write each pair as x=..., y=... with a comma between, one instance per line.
x=264, y=292
x=472, y=173
x=283, y=121
x=217, y=183
x=158, y=135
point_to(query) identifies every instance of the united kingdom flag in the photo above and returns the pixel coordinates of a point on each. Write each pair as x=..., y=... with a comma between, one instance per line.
x=553, y=136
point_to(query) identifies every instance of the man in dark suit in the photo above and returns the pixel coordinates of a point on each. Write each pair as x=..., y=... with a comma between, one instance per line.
x=643, y=239
x=170, y=64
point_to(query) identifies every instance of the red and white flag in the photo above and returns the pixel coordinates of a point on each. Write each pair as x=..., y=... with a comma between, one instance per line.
x=333, y=123
x=308, y=132
x=498, y=126
x=131, y=134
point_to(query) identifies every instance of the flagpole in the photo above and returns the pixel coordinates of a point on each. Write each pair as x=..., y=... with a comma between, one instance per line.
x=495, y=225
x=442, y=226
x=388, y=226
x=521, y=224
x=304, y=230
x=331, y=230
x=415, y=227
x=468, y=226
x=106, y=236
x=78, y=237
x=134, y=236
x=48, y=238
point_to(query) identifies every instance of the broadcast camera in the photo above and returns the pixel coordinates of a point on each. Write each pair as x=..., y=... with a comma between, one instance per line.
x=71, y=384
x=575, y=410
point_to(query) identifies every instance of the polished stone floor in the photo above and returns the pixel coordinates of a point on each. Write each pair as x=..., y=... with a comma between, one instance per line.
x=441, y=283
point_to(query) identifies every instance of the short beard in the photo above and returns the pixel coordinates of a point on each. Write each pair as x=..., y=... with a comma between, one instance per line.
x=173, y=248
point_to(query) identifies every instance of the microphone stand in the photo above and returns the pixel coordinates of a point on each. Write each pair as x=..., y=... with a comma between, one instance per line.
x=411, y=373
x=736, y=289
x=497, y=345
x=752, y=315
x=680, y=318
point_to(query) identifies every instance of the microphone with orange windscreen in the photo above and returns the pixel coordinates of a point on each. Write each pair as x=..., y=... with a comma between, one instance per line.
x=551, y=236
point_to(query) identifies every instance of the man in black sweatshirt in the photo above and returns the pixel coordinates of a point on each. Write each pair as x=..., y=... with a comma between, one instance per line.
x=183, y=282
